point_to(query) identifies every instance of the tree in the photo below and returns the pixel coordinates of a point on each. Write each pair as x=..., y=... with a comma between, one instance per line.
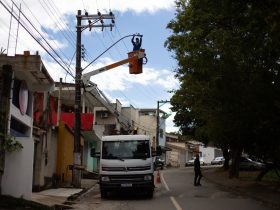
x=228, y=63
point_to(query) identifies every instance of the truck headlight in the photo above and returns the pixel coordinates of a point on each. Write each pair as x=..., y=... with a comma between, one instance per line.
x=105, y=179
x=148, y=177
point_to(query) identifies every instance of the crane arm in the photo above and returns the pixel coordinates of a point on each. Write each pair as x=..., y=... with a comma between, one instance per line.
x=136, y=56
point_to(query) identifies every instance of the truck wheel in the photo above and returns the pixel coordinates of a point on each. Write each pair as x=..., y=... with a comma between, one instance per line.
x=103, y=193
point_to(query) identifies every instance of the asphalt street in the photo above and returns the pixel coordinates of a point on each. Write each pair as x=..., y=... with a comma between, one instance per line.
x=175, y=192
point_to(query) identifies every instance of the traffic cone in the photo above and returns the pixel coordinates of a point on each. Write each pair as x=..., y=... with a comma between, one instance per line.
x=158, y=178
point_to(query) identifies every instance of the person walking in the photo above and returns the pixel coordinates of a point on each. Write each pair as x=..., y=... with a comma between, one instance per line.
x=197, y=171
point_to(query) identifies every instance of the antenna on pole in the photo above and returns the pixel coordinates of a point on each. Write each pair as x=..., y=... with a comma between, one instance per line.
x=12, y=28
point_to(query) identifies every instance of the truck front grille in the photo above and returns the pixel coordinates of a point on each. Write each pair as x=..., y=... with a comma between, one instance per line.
x=132, y=168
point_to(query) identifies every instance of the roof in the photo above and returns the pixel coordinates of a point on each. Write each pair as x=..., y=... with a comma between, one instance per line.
x=172, y=136
x=151, y=110
x=195, y=142
x=31, y=69
x=90, y=135
x=178, y=145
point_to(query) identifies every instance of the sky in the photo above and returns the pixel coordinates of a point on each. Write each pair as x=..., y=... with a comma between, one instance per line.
x=52, y=23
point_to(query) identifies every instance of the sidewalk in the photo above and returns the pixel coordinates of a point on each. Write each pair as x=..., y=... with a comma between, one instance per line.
x=60, y=196
x=268, y=193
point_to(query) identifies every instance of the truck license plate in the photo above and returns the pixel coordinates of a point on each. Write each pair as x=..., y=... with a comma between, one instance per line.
x=126, y=185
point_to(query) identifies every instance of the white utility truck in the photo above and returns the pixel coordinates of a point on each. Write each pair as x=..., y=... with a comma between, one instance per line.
x=126, y=163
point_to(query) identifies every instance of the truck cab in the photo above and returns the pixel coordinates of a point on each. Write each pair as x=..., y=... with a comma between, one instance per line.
x=126, y=163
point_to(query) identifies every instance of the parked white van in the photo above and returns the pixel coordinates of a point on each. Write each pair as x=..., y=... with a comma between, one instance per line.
x=126, y=163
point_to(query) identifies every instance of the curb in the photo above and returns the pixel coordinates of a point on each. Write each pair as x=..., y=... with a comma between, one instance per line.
x=82, y=194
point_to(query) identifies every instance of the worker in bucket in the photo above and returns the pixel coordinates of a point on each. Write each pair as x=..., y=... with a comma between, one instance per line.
x=137, y=43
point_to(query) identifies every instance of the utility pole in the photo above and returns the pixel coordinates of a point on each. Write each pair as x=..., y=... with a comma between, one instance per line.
x=92, y=21
x=6, y=79
x=157, y=130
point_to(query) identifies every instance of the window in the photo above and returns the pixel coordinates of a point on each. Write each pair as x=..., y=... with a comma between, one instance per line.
x=126, y=149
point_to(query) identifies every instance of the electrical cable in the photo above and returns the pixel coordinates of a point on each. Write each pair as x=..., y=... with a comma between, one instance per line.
x=33, y=36
x=106, y=51
x=45, y=30
x=57, y=20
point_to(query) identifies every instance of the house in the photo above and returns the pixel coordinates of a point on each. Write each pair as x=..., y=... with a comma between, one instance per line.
x=182, y=151
x=21, y=77
x=40, y=116
x=148, y=122
x=63, y=113
x=209, y=153
x=65, y=148
x=177, y=155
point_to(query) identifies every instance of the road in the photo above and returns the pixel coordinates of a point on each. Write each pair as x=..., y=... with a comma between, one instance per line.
x=175, y=192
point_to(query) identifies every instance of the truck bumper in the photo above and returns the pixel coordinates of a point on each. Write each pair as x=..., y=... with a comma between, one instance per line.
x=126, y=182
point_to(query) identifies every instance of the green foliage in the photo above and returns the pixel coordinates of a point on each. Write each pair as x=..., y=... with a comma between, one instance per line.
x=228, y=55
x=10, y=144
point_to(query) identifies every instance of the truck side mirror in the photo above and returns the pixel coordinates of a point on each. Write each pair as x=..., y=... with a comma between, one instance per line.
x=93, y=153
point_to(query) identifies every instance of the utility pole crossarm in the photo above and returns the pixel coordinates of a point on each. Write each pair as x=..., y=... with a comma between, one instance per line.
x=86, y=77
x=89, y=17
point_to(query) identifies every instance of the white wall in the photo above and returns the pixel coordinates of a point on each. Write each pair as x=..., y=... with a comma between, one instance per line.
x=208, y=153
x=172, y=158
x=176, y=158
x=51, y=148
x=18, y=172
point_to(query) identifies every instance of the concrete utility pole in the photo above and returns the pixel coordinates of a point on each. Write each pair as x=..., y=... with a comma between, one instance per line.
x=6, y=78
x=93, y=21
x=157, y=134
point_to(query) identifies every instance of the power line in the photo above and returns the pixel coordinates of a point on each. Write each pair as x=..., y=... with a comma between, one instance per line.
x=57, y=20
x=28, y=30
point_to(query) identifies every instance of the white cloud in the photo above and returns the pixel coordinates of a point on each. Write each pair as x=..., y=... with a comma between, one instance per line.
x=58, y=9
x=70, y=6
x=118, y=79
x=50, y=14
x=57, y=72
x=33, y=18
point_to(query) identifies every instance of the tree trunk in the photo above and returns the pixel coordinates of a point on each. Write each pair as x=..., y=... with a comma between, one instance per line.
x=234, y=168
x=5, y=90
x=227, y=157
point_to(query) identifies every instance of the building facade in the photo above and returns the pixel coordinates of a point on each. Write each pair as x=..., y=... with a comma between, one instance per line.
x=27, y=76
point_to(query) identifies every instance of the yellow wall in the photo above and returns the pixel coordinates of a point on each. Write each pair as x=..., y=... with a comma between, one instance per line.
x=65, y=148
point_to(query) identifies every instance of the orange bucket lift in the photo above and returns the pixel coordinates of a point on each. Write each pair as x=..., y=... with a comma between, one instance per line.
x=136, y=61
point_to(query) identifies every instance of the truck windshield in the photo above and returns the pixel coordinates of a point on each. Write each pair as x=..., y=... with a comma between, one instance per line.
x=126, y=149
